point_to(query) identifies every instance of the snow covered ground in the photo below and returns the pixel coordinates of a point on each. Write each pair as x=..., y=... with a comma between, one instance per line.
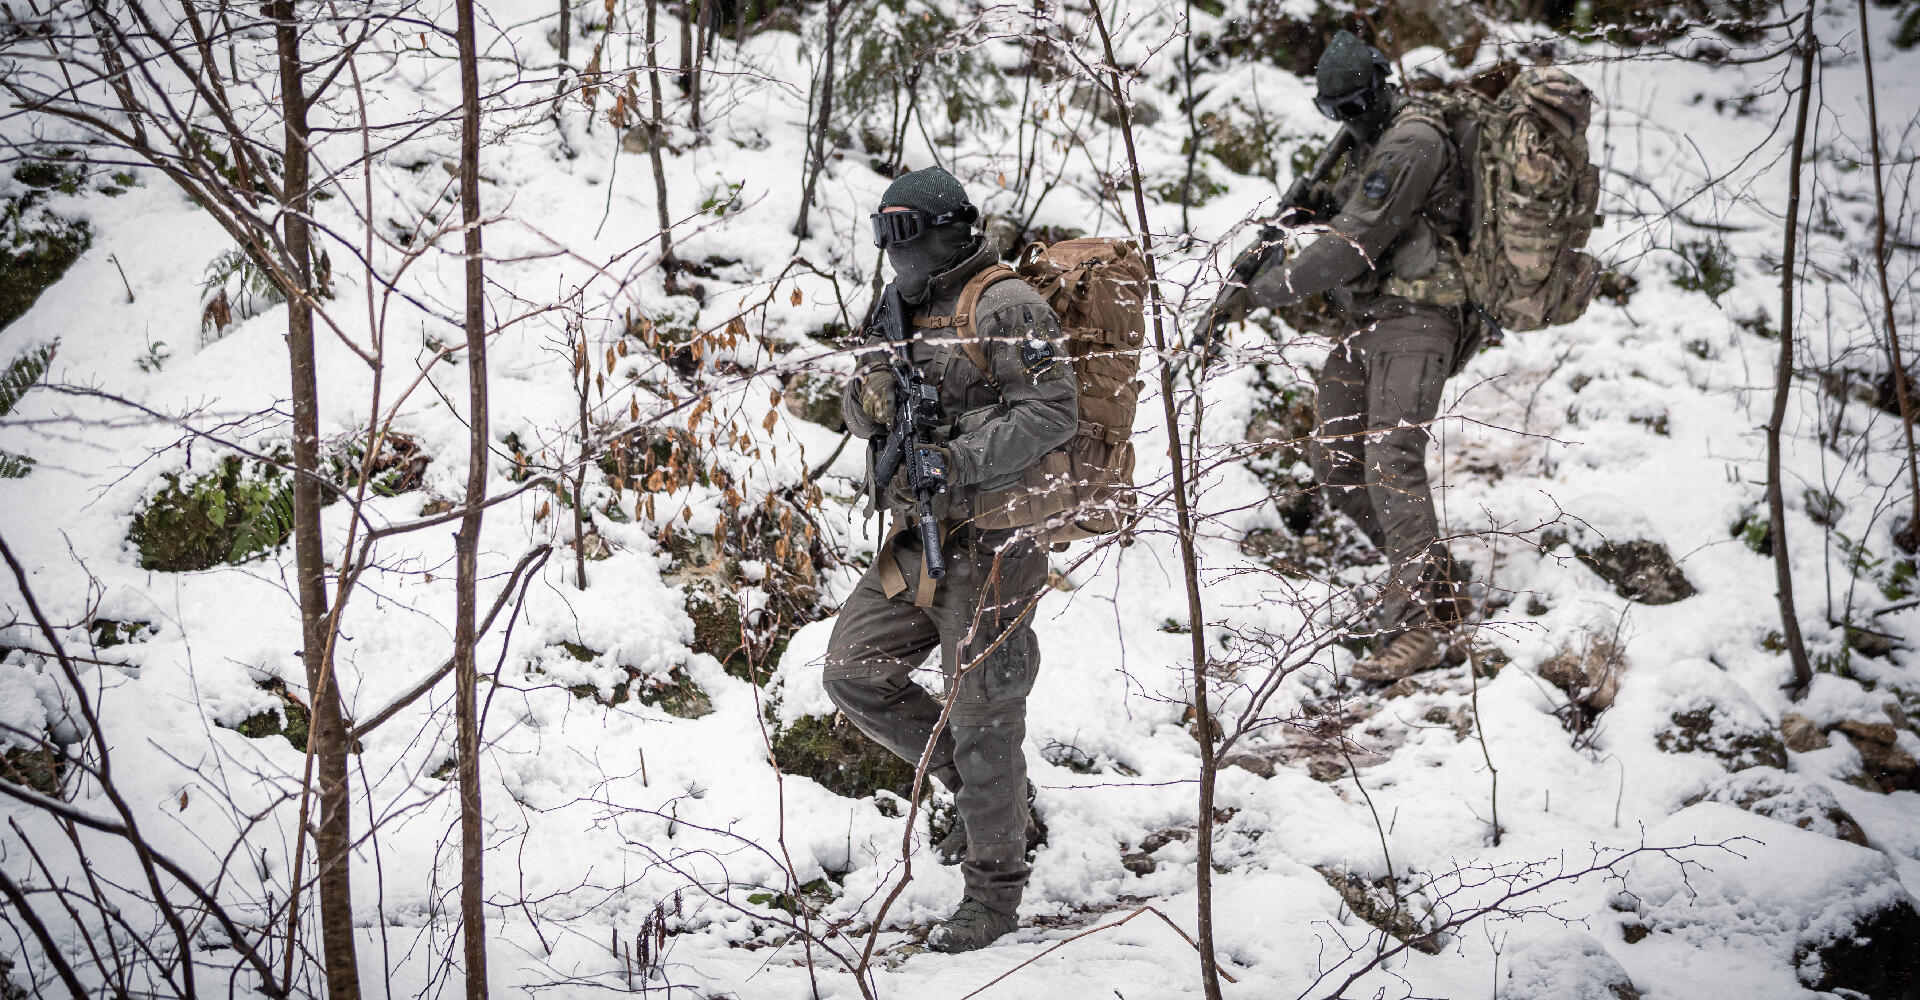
x=1641, y=421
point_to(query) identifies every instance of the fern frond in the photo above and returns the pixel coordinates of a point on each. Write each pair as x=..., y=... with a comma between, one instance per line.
x=21, y=375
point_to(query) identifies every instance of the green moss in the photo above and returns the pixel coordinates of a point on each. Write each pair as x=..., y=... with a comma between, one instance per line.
x=228, y=515
x=677, y=693
x=290, y=718
x=841, y=758
x=1705, y=266
x=108, y=633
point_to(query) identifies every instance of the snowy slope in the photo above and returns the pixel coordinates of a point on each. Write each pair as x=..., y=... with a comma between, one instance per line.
x=1643, y=420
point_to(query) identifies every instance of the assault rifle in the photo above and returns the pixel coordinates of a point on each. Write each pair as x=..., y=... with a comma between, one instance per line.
x=905, y=443
x=1273, y=239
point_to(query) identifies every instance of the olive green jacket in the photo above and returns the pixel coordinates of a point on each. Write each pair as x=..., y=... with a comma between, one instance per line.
x=992, y=429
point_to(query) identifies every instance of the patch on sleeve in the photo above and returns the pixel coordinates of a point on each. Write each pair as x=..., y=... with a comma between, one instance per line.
x=1376, y=186
x=1036, y=354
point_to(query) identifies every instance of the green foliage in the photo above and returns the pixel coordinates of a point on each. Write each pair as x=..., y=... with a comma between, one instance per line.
x=59, y=172
x=1199, y=192
x=1754, y=529
x=838, y=756
x=37, y=246
x=21, y=375
x=1705, y=266
x=156, y=357
x=290, y=718
x=1244, y=141
x=903, y=47
x=234, y=288
x=108, y=633
x=225, y=516
x=1907, y=35
x=811, y=898
x=723, y=196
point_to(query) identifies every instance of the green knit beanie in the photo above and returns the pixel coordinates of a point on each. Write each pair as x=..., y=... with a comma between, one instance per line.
x=933, y=191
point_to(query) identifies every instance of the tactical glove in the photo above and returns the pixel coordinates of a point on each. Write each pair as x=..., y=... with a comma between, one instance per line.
x=877, y=399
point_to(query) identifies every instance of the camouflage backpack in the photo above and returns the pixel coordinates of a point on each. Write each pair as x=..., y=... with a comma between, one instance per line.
x=1097, y=286
x=1533, y=191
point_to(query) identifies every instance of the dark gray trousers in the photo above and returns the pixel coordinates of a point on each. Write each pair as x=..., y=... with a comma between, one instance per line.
x=879, y=638
x=1374, y=396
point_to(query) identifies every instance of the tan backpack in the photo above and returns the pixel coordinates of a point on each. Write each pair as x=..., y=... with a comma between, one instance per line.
x=1098, y=288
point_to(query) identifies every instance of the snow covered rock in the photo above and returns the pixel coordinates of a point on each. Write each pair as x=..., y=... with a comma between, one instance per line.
x=1566, y=964
x=1789, y=798
x=1694, y=707
x=1833, y=911
x=1622, y=547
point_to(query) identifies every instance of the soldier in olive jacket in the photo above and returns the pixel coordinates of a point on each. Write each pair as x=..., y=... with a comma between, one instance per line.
x=993, y=426
x=1389, y=276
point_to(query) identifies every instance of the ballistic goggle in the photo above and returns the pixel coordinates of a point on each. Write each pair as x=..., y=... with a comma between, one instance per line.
x=1349, y=106
x=907, y=225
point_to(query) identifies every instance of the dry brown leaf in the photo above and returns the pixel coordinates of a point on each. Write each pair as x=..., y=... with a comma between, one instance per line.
x=796, y=296
x=767, y=424
x=546, y=507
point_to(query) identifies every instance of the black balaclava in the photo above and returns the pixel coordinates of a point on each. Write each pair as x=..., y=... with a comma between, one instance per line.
x=1349, y=64
x=935, y=192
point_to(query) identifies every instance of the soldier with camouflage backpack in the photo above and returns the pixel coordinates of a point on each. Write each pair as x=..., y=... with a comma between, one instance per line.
x=999, y=401
x=1457, y=216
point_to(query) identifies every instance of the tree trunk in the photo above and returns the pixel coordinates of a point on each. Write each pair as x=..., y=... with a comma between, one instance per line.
x=656, y=135
x=1189, y=559
x=817, y=161
x=566, y=28
x=473, y=928
x=1783, y=381
x=1908, y=539
x=699, y=62
x=327, y=732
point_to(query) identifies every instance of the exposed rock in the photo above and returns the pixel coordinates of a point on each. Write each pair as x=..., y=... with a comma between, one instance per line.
x=1800, y=733
x=1704, y=730
x=42, y=767
x=1589, y=676
x=1639, y=570
x=815, y=396
x=1887, y=763
x=1877, y=958
x=834, y=753
x=1566, y=964
x=1789, y=798
x=1873, y=732
x=1622, y=547
x=1263, y=761
x=1160, y=838
x=1836, y=911
x=1378, y=903
x=1139, y=863
x=1326, y=770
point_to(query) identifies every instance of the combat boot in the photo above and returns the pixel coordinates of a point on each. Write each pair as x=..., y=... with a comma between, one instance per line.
x=973, y=926
x=952, y=848
x=1415, y=650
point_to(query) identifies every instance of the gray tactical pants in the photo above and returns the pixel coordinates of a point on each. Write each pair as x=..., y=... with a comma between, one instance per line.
x=1374, y=394
x=880, y=637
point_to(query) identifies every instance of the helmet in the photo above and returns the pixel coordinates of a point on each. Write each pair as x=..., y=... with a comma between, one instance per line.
x=1352, y=77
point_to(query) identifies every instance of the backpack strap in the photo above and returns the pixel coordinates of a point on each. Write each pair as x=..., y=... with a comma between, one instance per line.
x=967, y=333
